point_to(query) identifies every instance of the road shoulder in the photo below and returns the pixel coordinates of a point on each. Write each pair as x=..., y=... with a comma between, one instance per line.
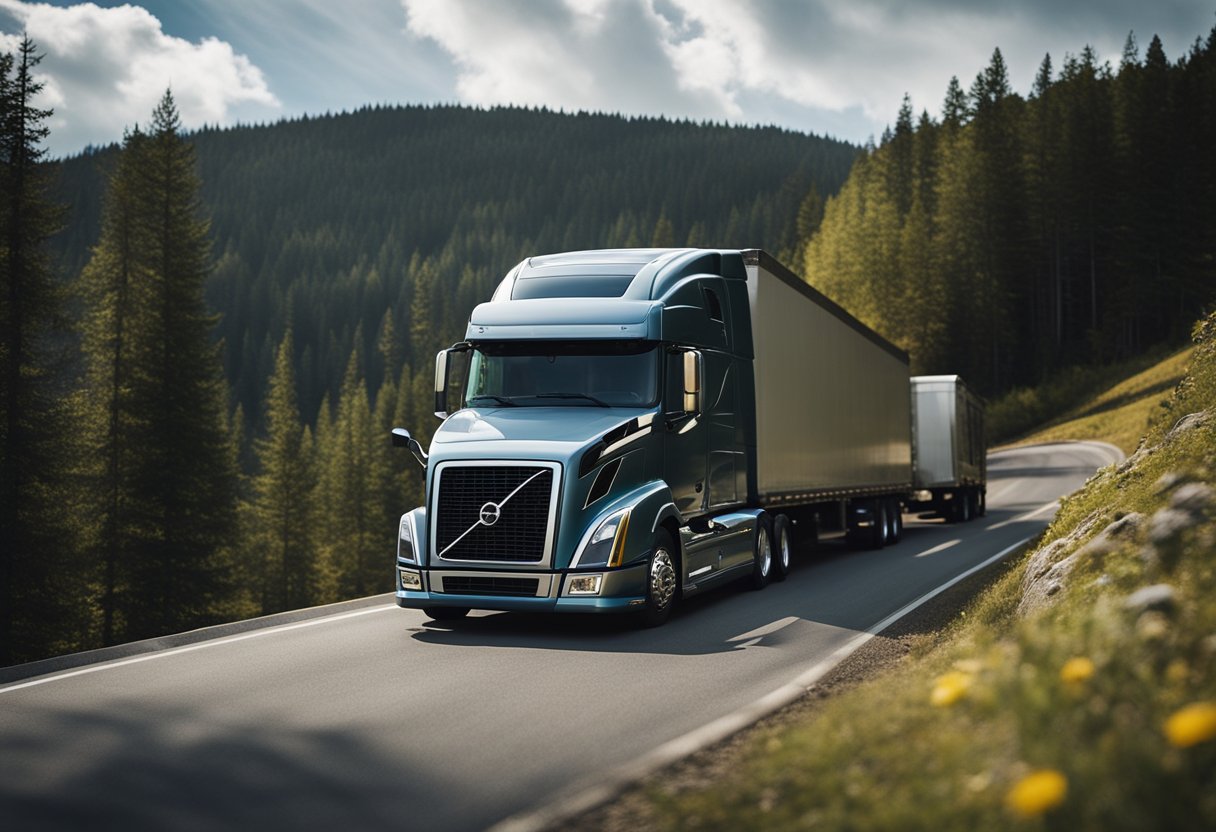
x=920, y=630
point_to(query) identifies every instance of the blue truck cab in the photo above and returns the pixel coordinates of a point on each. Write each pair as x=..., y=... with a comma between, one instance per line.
x=601, y=443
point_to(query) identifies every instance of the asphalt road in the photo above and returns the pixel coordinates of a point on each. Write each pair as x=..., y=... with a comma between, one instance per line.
x=373, y=716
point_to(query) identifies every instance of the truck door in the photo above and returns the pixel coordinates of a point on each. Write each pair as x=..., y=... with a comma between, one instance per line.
x=721, y=385
x=684, y=458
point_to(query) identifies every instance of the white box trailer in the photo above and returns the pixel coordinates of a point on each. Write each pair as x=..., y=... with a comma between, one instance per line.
x=950, y=450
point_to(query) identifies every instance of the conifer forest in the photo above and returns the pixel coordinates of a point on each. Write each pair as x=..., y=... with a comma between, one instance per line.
x=206, y=336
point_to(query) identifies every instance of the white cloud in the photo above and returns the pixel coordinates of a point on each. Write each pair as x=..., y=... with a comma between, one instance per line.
x=840, y=66
x=106, y=68
x=607, y=55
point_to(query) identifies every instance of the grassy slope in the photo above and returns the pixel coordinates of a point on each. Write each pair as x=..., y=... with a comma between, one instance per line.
x=1121, y=414
x=884, y=756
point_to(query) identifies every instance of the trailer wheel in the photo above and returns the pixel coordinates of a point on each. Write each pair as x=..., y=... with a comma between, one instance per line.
x=662, y=578
x=445, y=613
x=782, y=546
x=957, y=511
x=875, y=535
x=762, y=554
x=882, y=525
x=895, y=512
x=981, y=501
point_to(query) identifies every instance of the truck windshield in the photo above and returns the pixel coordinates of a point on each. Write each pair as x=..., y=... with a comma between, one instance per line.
x=575, y=374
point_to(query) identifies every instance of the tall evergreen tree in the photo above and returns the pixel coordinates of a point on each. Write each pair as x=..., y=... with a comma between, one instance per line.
x=39, y=610
x=117, y=287
x=189, y=482
x=282, y=537
x=349, y=496
x=168, y=476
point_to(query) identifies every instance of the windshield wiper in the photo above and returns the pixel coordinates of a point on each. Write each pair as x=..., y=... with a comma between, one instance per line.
x=586, y=396
x=503, y=400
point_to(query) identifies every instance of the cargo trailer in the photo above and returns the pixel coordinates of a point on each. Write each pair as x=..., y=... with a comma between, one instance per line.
x=951, y=468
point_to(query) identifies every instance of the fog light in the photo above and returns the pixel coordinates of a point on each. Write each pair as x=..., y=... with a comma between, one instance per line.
x=584, y=584
x=411, y=581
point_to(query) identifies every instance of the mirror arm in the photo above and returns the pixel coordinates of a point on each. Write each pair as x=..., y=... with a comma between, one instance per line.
x=402, y=439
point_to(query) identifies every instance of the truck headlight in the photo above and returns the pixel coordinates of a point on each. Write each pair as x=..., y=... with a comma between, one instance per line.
x=405, y=539
x=410, y=580
x=606, y=546
x=584, y=584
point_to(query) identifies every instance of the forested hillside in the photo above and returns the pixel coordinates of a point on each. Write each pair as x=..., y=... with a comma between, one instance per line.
x=1014, y=235
x=334, y=224
x=207, y=337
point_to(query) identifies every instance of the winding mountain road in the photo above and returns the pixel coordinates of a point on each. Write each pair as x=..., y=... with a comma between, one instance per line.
x=374, y=716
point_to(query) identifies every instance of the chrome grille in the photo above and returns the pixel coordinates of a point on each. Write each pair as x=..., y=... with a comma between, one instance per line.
x=519, y=533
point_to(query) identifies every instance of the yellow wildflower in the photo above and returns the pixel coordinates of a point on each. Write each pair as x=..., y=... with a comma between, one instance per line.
x=1037, y=792
x=1192, y=725
x=1077, y=670
x=950, y=688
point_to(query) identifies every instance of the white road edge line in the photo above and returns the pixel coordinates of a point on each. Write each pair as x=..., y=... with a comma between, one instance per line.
x=1027, y=516
x=590, y=793
x=174, y=651
x=941, y=547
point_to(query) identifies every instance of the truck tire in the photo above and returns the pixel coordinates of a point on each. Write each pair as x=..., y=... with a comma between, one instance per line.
x=783, y=546
x=762, y=553
x=957, y=510
x=874, y=536
x=661, y=582
x=896, y=515
x=445, y=613
x=981, y=508
x=882, y=527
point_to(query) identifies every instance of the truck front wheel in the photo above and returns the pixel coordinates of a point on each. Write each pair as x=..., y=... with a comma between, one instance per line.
x=660, y=583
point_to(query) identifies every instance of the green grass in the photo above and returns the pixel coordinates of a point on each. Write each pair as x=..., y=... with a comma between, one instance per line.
x=883, y=756
x=1121, y=413
x=1072, y=392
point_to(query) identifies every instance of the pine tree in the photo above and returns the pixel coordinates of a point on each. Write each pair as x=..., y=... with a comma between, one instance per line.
x=664, y=235
x=168, y=478
x=39, y=603
x=117, y=288
x=354, y=541
x=282, y=501
x=954, y=108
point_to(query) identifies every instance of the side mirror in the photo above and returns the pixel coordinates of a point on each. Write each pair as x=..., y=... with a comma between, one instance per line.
x=692, y=382
x=447, y=373
x=442, y=360
x=402, y=439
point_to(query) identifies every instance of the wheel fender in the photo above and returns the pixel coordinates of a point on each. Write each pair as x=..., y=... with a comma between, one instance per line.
x=649, y=504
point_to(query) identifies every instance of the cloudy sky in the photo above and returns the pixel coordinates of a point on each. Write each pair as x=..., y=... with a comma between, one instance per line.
x=836, y=67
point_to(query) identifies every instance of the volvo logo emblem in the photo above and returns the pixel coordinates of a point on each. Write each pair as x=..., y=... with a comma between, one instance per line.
x=490, y=513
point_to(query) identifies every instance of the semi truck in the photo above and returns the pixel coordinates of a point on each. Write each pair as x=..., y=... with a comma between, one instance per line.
x=625, y=428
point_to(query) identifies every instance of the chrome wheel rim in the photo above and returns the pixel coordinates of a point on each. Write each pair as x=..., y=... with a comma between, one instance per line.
x=766, y=551
x=785, y=550
x=662, y=578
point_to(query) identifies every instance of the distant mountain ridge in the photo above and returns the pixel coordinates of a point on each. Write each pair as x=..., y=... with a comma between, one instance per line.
x=331, y=223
